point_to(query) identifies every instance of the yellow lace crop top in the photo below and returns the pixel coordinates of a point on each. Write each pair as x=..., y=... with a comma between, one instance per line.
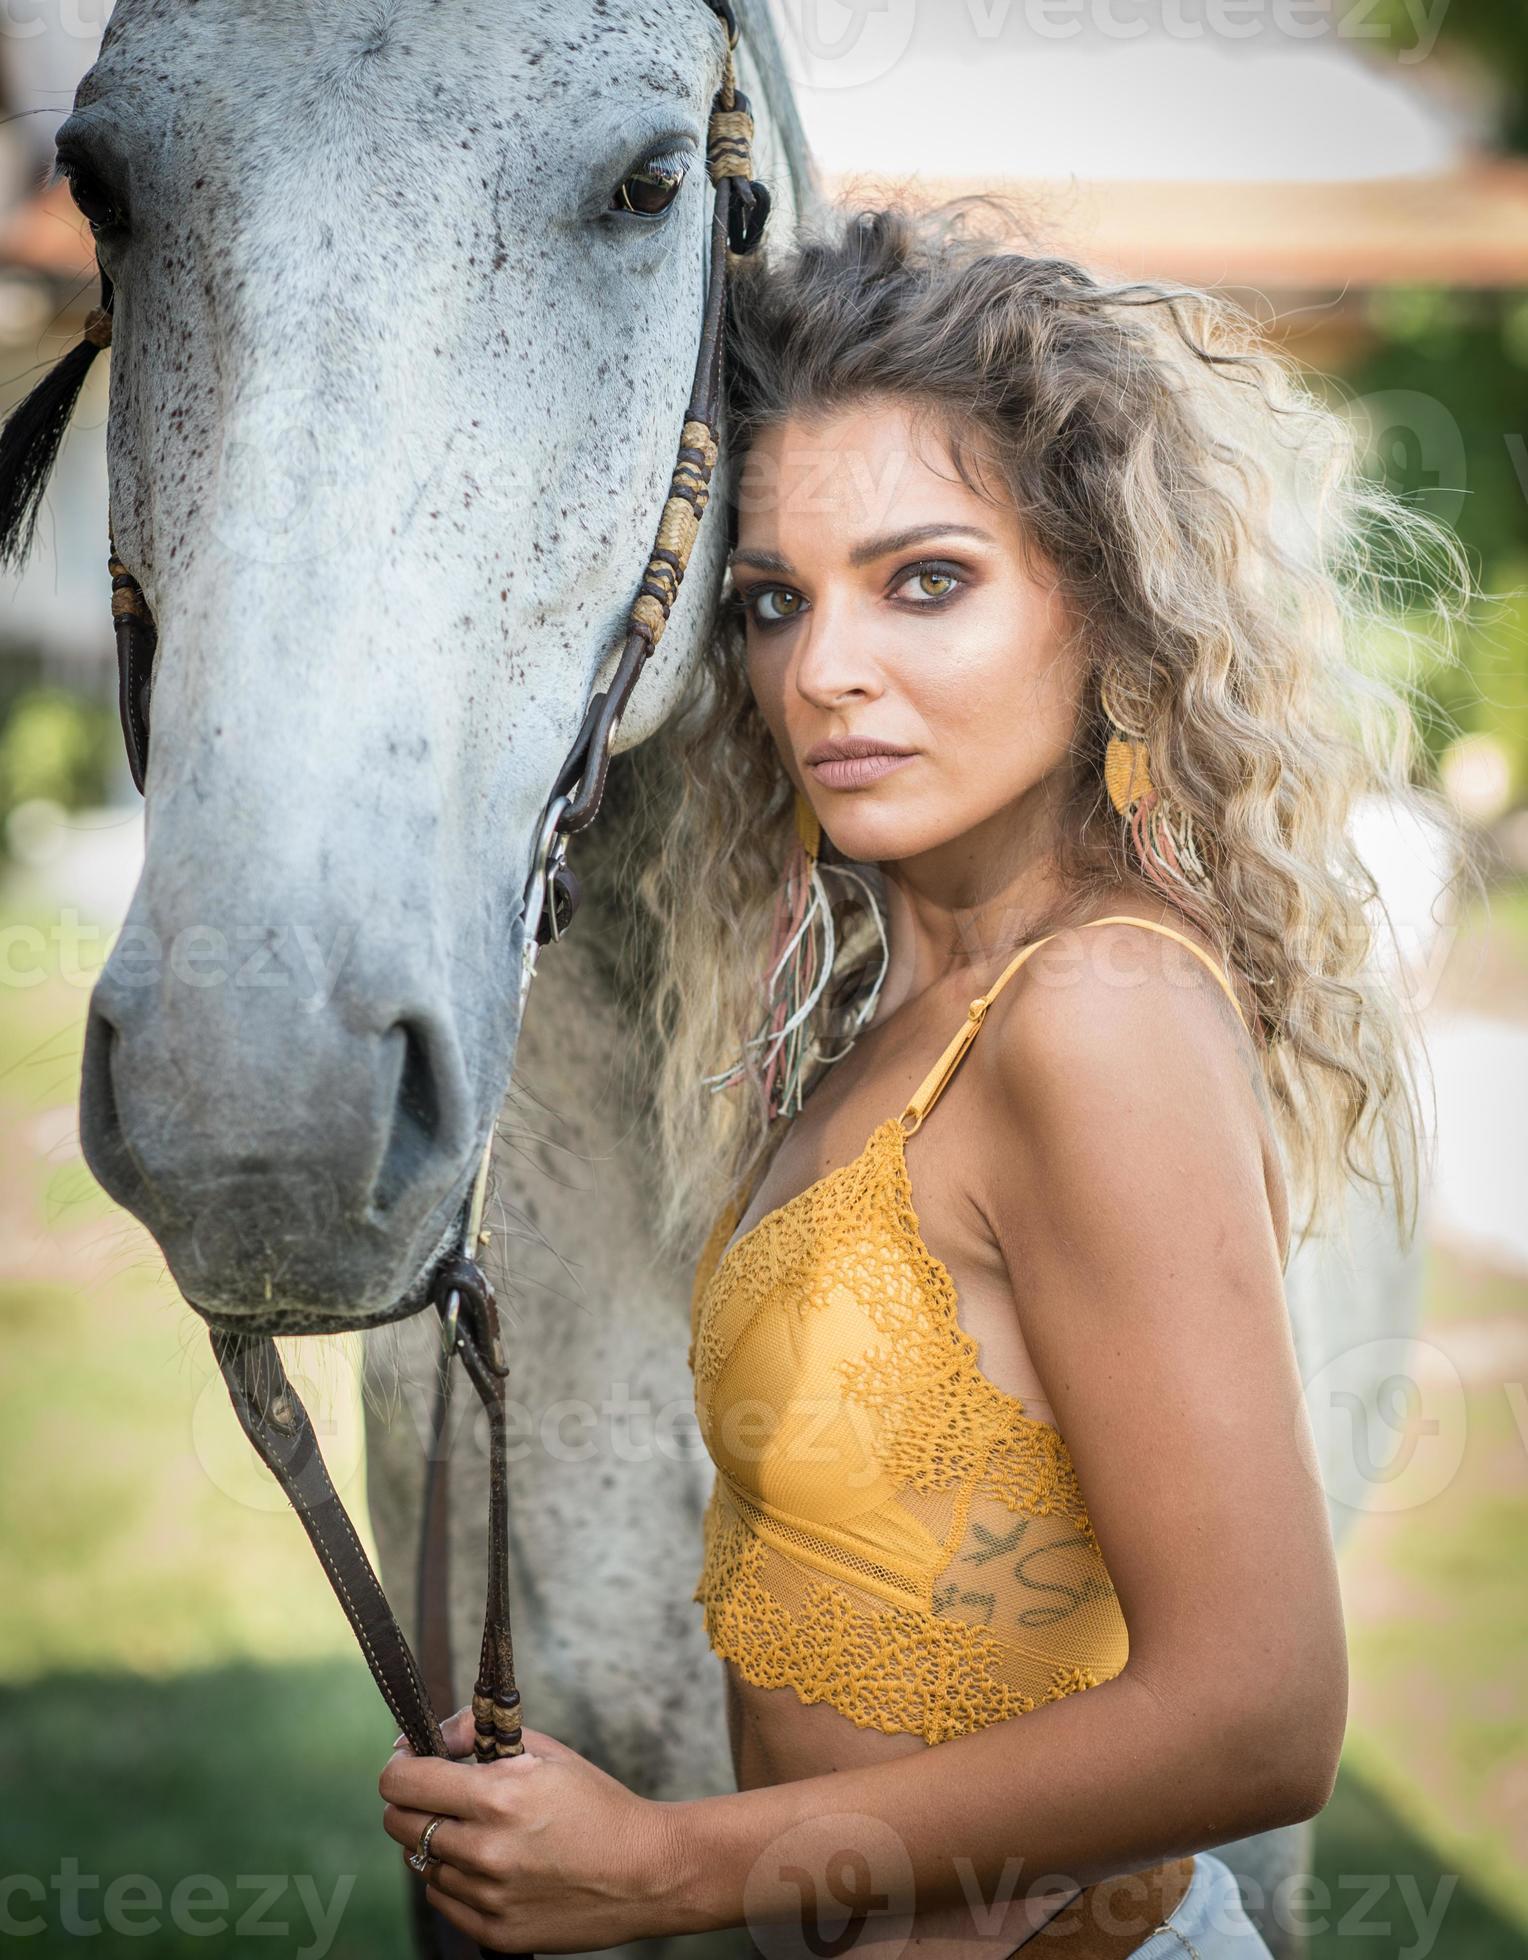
x=888, y=1531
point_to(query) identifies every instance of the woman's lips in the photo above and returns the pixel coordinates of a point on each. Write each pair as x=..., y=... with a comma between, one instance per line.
x=855, y=771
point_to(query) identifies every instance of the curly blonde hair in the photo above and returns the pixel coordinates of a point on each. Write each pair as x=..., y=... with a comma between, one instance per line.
x=1223, y=559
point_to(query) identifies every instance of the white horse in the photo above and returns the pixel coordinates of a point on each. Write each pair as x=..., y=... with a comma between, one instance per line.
x=395, y=398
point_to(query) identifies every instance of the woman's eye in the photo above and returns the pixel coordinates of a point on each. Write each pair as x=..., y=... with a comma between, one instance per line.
x=933, y=581
x=772, y=605
x=651, y=190
x=99, y=206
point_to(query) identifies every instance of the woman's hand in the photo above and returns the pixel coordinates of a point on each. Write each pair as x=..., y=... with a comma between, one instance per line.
x=539, y=1853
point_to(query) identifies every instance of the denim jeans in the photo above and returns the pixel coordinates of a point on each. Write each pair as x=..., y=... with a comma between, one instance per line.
x=1209, y=1922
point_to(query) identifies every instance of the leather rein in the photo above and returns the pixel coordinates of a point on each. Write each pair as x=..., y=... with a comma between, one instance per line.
x=268, y=1407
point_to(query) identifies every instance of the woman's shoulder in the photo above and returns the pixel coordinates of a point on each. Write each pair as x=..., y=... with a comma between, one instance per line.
x=1120, y=964
x=1117, y=1033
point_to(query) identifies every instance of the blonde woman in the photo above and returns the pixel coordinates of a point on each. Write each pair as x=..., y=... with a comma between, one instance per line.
x=1017, y=1015
x=1048, y=603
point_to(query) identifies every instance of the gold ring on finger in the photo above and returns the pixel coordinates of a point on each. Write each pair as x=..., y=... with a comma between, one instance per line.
x=421, y=1855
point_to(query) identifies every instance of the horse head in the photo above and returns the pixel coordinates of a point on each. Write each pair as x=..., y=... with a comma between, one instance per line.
x=405, y=308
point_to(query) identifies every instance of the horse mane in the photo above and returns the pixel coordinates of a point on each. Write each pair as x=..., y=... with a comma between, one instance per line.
x=32, y=437
x=620, y=939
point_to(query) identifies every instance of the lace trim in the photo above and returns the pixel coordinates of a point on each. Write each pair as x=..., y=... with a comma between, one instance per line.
x=942, y=1421
x=940, y=1426
x=895, y=1670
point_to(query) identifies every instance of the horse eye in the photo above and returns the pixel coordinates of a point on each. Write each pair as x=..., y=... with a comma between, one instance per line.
x=651, y=190
x=98, y=205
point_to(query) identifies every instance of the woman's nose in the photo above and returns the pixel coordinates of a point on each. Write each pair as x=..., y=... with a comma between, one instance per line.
x=833, y=663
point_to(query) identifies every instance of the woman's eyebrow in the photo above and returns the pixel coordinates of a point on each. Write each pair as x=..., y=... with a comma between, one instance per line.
x=872, y=548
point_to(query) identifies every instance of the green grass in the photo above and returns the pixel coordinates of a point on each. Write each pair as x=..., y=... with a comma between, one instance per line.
x=138, y=1529
x=1379, y=1885
x=1436, y=1591
x=232, y=1775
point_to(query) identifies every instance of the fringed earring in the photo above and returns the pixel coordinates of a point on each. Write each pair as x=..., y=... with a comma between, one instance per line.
x=803, y=948
x=1164, y=838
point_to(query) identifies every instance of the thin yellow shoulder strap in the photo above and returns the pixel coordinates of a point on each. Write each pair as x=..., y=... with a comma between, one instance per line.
x=1151, y=925
x=928, y=1090
x=932, y=1085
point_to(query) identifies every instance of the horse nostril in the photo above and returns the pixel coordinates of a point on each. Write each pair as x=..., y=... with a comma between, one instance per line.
x=416, y=1119
x=99, y=1123
x=103, y=1139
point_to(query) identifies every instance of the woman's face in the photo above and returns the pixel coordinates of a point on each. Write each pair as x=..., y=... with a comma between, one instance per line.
x=912, y=669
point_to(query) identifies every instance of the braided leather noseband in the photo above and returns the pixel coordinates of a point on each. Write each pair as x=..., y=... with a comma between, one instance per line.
x=268, y=1407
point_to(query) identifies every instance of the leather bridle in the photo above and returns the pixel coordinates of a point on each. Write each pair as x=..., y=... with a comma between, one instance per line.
x=268, y=1407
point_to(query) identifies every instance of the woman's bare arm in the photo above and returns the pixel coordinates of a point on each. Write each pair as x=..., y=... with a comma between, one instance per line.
x=1126, y=1193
